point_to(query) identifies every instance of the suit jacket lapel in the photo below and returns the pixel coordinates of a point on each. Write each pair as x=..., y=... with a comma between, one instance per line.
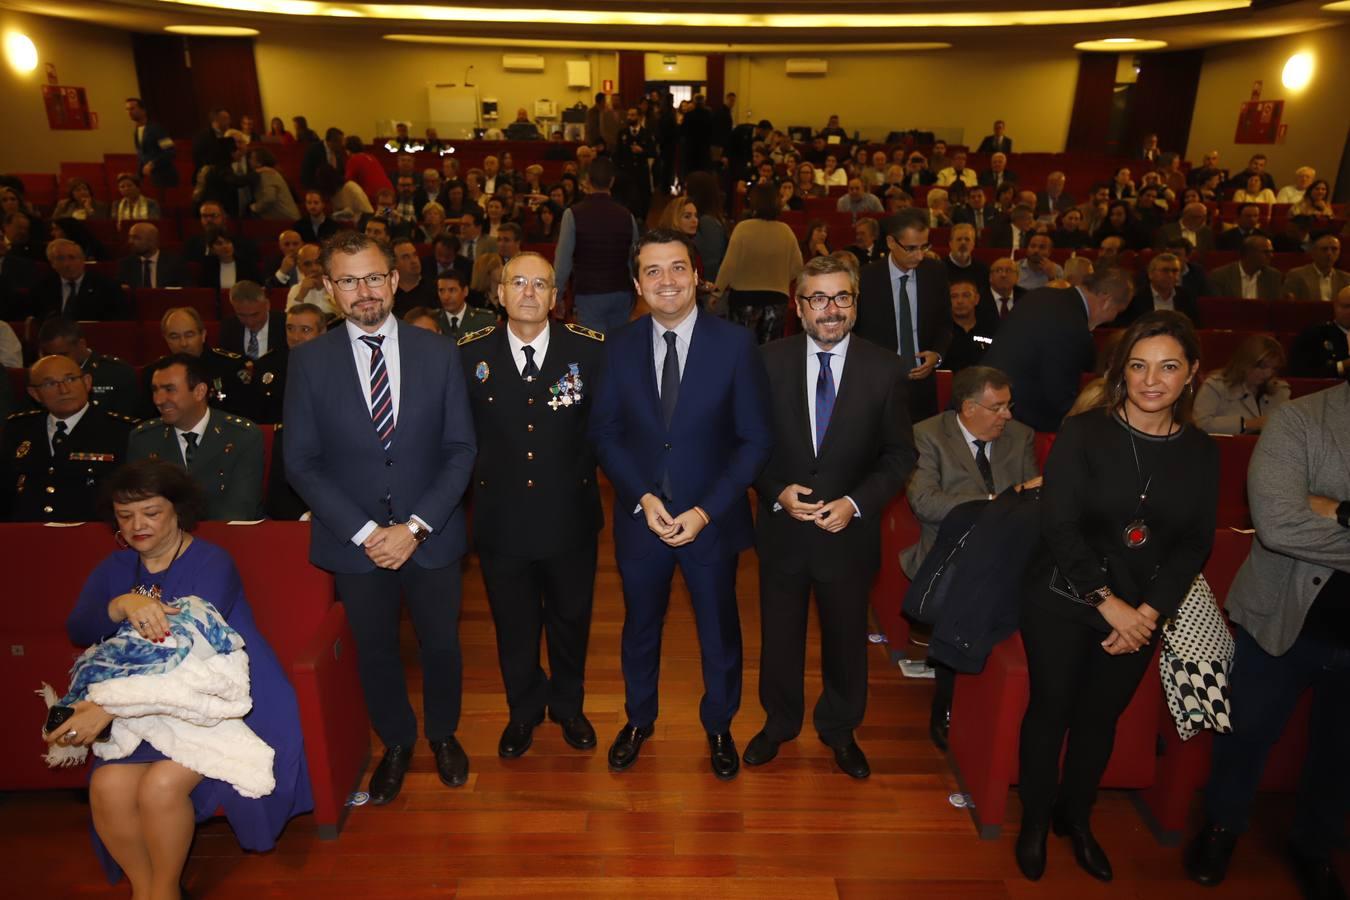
x=648, y=354
x=800, y=405
x=359, y=385
x=956, y=442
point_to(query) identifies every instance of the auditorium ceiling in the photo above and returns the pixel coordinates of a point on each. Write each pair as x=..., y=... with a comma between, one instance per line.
x=746, y=26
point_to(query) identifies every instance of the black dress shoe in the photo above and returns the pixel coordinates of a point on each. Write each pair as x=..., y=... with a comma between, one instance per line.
x=516, y=738
x=760, y=750
x=627, y=745
x=1316, y=876
x=726, y=762
x=1089, y=854
x=1031, y=850
x=387, y=779
x=1206, y=858
x=577, y=731
x=452, y=763
x=939, y=723
x=851, y=761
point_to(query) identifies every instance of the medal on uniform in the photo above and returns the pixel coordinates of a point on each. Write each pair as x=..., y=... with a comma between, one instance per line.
x=219, y=387
x=22, y=450
x=268, y=377
x=246, y=373
x=481, y=371
x=567, y=389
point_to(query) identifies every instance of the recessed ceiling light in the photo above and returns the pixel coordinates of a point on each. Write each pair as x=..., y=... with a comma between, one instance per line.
x=21, y=53
x=213, y=30
x=1112, y=45
x=1298, y=71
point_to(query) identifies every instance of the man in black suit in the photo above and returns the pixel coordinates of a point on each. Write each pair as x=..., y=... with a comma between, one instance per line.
x=204, y=143
x=304, y=323
x=1248, y=224
x=843, y=448
x=1003, y=291
x=255, y=330
x=997, y=174
x=315, y=227
x=328, y=152
x=214, y=218
x=432, y=188
x=918, y=329
x=1012, y=233
x=975, y=211
x=147, y=266
x=414, y=289
x=75, y=292
x=283, y=270
x=1323, y=351
x=998, y=142
x=1162, y=290
x=1054, y=199
x=1045, y=345
x=536, y=502
x=867, y=245
x=380, y=445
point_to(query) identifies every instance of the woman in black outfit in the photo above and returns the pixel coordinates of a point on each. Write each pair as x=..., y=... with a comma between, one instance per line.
x=1128, y=513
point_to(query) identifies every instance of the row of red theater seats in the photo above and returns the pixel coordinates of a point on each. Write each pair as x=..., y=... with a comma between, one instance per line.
x=294, y=605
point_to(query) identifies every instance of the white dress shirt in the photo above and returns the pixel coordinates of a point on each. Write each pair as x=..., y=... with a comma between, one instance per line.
x=838, y=353
x=1250, y=284
x=540, y=345
x=1161, y=302
x=318, y=296
x=199, y=430
x=229, y=272
x=684, y=333
x=71, y=421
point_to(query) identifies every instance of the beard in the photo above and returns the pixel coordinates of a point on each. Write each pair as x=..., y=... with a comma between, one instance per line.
x=369, y=316
x=816, y=330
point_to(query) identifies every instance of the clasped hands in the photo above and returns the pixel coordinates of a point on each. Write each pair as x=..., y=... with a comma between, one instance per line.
x=1132, y=628
x=674, y=531
x=833, y=517
x=389, y=547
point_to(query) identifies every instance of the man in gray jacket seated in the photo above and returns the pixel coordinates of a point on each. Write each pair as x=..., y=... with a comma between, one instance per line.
x=1290, y=605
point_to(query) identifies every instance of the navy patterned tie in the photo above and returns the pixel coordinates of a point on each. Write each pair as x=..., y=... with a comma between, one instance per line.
x=824, y=398
x=381, y=398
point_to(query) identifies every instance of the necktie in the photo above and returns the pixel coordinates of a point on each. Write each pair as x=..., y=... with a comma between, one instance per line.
x=70, y=295
x=824, y=398
x=982, y=461
x=146, y=278
x=190, y=437
x=60, y=437
x=251, y=351
x=906, y=323
x=454, y=324
x=1004, y=307
x=531, y=370
x=670, y=395
x=381, y=399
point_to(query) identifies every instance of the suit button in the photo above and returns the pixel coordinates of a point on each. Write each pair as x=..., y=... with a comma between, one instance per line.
x=389, y=463
x=51, y=471
x=529, y=454
x=529, y=482
x=530, y=401
x=490, y=399
x=482, y=483
x=50, y=489
x=1317, y=579
x=47, y=510
x=667, y=446
x=585, y=481
x=529, y=428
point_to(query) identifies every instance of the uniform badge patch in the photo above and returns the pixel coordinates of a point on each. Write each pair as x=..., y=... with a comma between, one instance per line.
x=268, y=377
x=22, y=450
x=482, y=371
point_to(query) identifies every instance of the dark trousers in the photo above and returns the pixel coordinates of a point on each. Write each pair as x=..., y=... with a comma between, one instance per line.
x=372, y=600
x=1265, y=690
x=712, y=592
x=552, y=597
x=1078, y=690
x=785, y=600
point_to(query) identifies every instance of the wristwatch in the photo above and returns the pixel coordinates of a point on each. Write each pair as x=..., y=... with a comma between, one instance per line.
x=1096, y=598
x=1343, y=514
x=419, y=533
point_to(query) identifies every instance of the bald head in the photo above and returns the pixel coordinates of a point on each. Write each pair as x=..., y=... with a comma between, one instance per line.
x=143, y=239
x=58, y=384
x=288, y=242
x=1193, y=215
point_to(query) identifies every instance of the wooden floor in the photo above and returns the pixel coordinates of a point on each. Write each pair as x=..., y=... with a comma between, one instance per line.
x=556, y=823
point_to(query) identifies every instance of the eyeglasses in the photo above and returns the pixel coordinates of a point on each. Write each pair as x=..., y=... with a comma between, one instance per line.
x=997, y=409
x=843, y=300
x=518, y=283
x=347, y=283
x=51, y=384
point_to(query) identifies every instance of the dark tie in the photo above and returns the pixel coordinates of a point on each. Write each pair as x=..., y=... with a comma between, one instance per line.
x=454, y=325
x=906, y=323
x=381, y=398
x=982, y=461
x=531, y=371
x=190, y=437
x=1004, y=307
x=670, y=395
x=146, y=279
x=59, y=438
x=824, y=398
x=70, y=295
x=252, y=350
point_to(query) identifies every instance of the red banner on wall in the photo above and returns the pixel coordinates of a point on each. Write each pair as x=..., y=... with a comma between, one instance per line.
x=67, y=108
x=1259, y=122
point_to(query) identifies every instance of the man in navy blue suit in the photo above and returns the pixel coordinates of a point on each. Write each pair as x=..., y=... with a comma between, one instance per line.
x=380, y=445
x=681, y=437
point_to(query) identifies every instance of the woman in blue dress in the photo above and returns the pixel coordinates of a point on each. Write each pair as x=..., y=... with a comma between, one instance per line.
x=145, y=806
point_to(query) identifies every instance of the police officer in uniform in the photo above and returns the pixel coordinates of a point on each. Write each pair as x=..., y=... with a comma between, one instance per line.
x=1323, y=351
x=114, y=381
x=230, y=375
x=536, y=505
x=222, y=452
x=56, y=457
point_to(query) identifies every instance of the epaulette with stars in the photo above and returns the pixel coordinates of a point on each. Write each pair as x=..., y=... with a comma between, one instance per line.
x=147, y=425
x=26, y=412
x=240, y=421
x=475, y=335
x=586, y=332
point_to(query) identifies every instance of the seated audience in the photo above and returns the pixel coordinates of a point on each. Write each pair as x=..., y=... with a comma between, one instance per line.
x=424, y=318
x=1316, y=202
x=1322, y=351
x=303, y=323
x=228, y=374
x=284, y=268
x=1037, y=269
x=971, y=337
x=315, y=226
x=74, y=291
x=310, y=288
x=1122, y=222
x=134, y=206
x=522, y=129
x=1194, y=278
x=1077, y=269
x=55, y=457
x=938, y=205
x=1004, y=290
x=113, y=385
x=227, y=264
x=255, y=330
x=277, y=133
x=1012, y=233
x=79, y=203
x=1071, y=234
x=867, y=245
x=1252, y=276
x=857, y=199
x=1293, y=193
x=413, y=290
x=1122, y=185
x=272, y=197
x=509, y=235
x=456, y=317
x=975, y=211
x=1162, y=290
x=1238, y=398
x=997, y=174
x=1248, y=224
x=1253, y=191
x=223, y=453
x=375, y=226
x=213, y=217
x=1054, y=199
x=1208, y=168
x=484, y=281
x=807, y=183
x=1191, y=226
x=1319, y=279
x=144, y=804
x=817, y=242
x=956, y=170
x=147, y=266
x=433, y=224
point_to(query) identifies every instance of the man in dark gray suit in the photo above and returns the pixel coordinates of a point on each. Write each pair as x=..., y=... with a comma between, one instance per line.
x=380, y=445
x=147, y=266
x=1289, y=603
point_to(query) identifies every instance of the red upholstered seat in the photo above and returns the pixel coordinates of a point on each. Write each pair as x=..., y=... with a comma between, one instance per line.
x=899, y=529
x=1296, y=315
x=151, y=303
x=1235, y=453
x=1235, y=313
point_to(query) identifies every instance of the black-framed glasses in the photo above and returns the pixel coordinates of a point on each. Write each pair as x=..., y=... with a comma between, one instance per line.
x=347, y=283
x=843, y=300
x=913, y=248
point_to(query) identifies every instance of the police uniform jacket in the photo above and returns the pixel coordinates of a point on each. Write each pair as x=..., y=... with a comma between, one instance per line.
x=227, y=464
x=269, y=387
x=232, y=384
x=534, y=482
x=114, y=387
x=1318, y=351
x=42, y=486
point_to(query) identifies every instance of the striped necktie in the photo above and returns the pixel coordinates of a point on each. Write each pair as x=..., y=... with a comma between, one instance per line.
x=381, y=398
